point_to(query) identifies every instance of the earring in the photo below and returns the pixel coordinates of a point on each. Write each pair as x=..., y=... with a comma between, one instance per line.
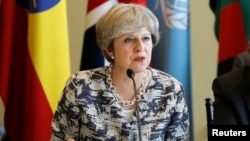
x=112, y=57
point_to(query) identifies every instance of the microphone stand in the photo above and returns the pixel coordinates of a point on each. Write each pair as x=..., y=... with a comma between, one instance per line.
x=131, y=75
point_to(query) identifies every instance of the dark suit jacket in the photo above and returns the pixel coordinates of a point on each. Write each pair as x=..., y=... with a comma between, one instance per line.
x=232, y=97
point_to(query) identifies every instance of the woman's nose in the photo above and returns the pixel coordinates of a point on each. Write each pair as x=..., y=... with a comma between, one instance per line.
x=139, y=45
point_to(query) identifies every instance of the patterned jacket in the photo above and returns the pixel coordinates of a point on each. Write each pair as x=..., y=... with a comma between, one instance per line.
x=88, y=111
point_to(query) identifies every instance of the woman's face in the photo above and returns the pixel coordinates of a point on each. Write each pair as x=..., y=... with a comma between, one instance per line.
x=133, y=50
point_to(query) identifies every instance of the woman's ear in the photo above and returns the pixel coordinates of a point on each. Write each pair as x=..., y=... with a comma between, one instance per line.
x=109, y=53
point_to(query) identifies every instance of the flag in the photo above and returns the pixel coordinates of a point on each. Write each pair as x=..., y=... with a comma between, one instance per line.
x=34, y=60
x=172, y=54
x=232, y=27
x=91, y=54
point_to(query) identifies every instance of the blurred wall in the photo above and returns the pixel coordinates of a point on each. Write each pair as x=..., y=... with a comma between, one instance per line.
x=204, y=62
x=203, y=49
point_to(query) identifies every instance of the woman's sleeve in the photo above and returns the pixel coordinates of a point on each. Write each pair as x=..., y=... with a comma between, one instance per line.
x=178, y=129
x=65, y=121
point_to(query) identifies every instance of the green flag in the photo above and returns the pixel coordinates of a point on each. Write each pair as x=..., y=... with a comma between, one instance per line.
x=232, y=28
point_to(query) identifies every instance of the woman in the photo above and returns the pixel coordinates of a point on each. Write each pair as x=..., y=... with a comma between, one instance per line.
x=100, y=104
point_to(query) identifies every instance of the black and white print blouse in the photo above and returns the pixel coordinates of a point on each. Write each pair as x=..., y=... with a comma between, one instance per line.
x=88, y=111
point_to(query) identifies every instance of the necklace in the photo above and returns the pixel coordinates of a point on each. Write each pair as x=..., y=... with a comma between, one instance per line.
x=119, y=99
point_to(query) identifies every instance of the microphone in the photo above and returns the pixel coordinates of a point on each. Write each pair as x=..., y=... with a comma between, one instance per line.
x=131, y=74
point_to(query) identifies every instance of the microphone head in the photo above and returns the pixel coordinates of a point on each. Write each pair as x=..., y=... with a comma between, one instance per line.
x=130, y=73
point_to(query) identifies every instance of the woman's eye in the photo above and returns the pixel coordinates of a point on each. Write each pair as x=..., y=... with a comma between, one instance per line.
x=128, y=40
x=146, y=38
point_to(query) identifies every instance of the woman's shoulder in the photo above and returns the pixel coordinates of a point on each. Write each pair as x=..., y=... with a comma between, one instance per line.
x=161, y=80
x=83, y=74
x=159, y=74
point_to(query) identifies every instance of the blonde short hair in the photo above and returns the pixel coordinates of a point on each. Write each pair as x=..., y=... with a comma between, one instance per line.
x=122, y=19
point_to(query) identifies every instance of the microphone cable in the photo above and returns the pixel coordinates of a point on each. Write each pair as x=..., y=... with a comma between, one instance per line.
x=131, y=74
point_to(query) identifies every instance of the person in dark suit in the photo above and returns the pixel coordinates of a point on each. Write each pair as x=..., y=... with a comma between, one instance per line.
x=232, y=96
